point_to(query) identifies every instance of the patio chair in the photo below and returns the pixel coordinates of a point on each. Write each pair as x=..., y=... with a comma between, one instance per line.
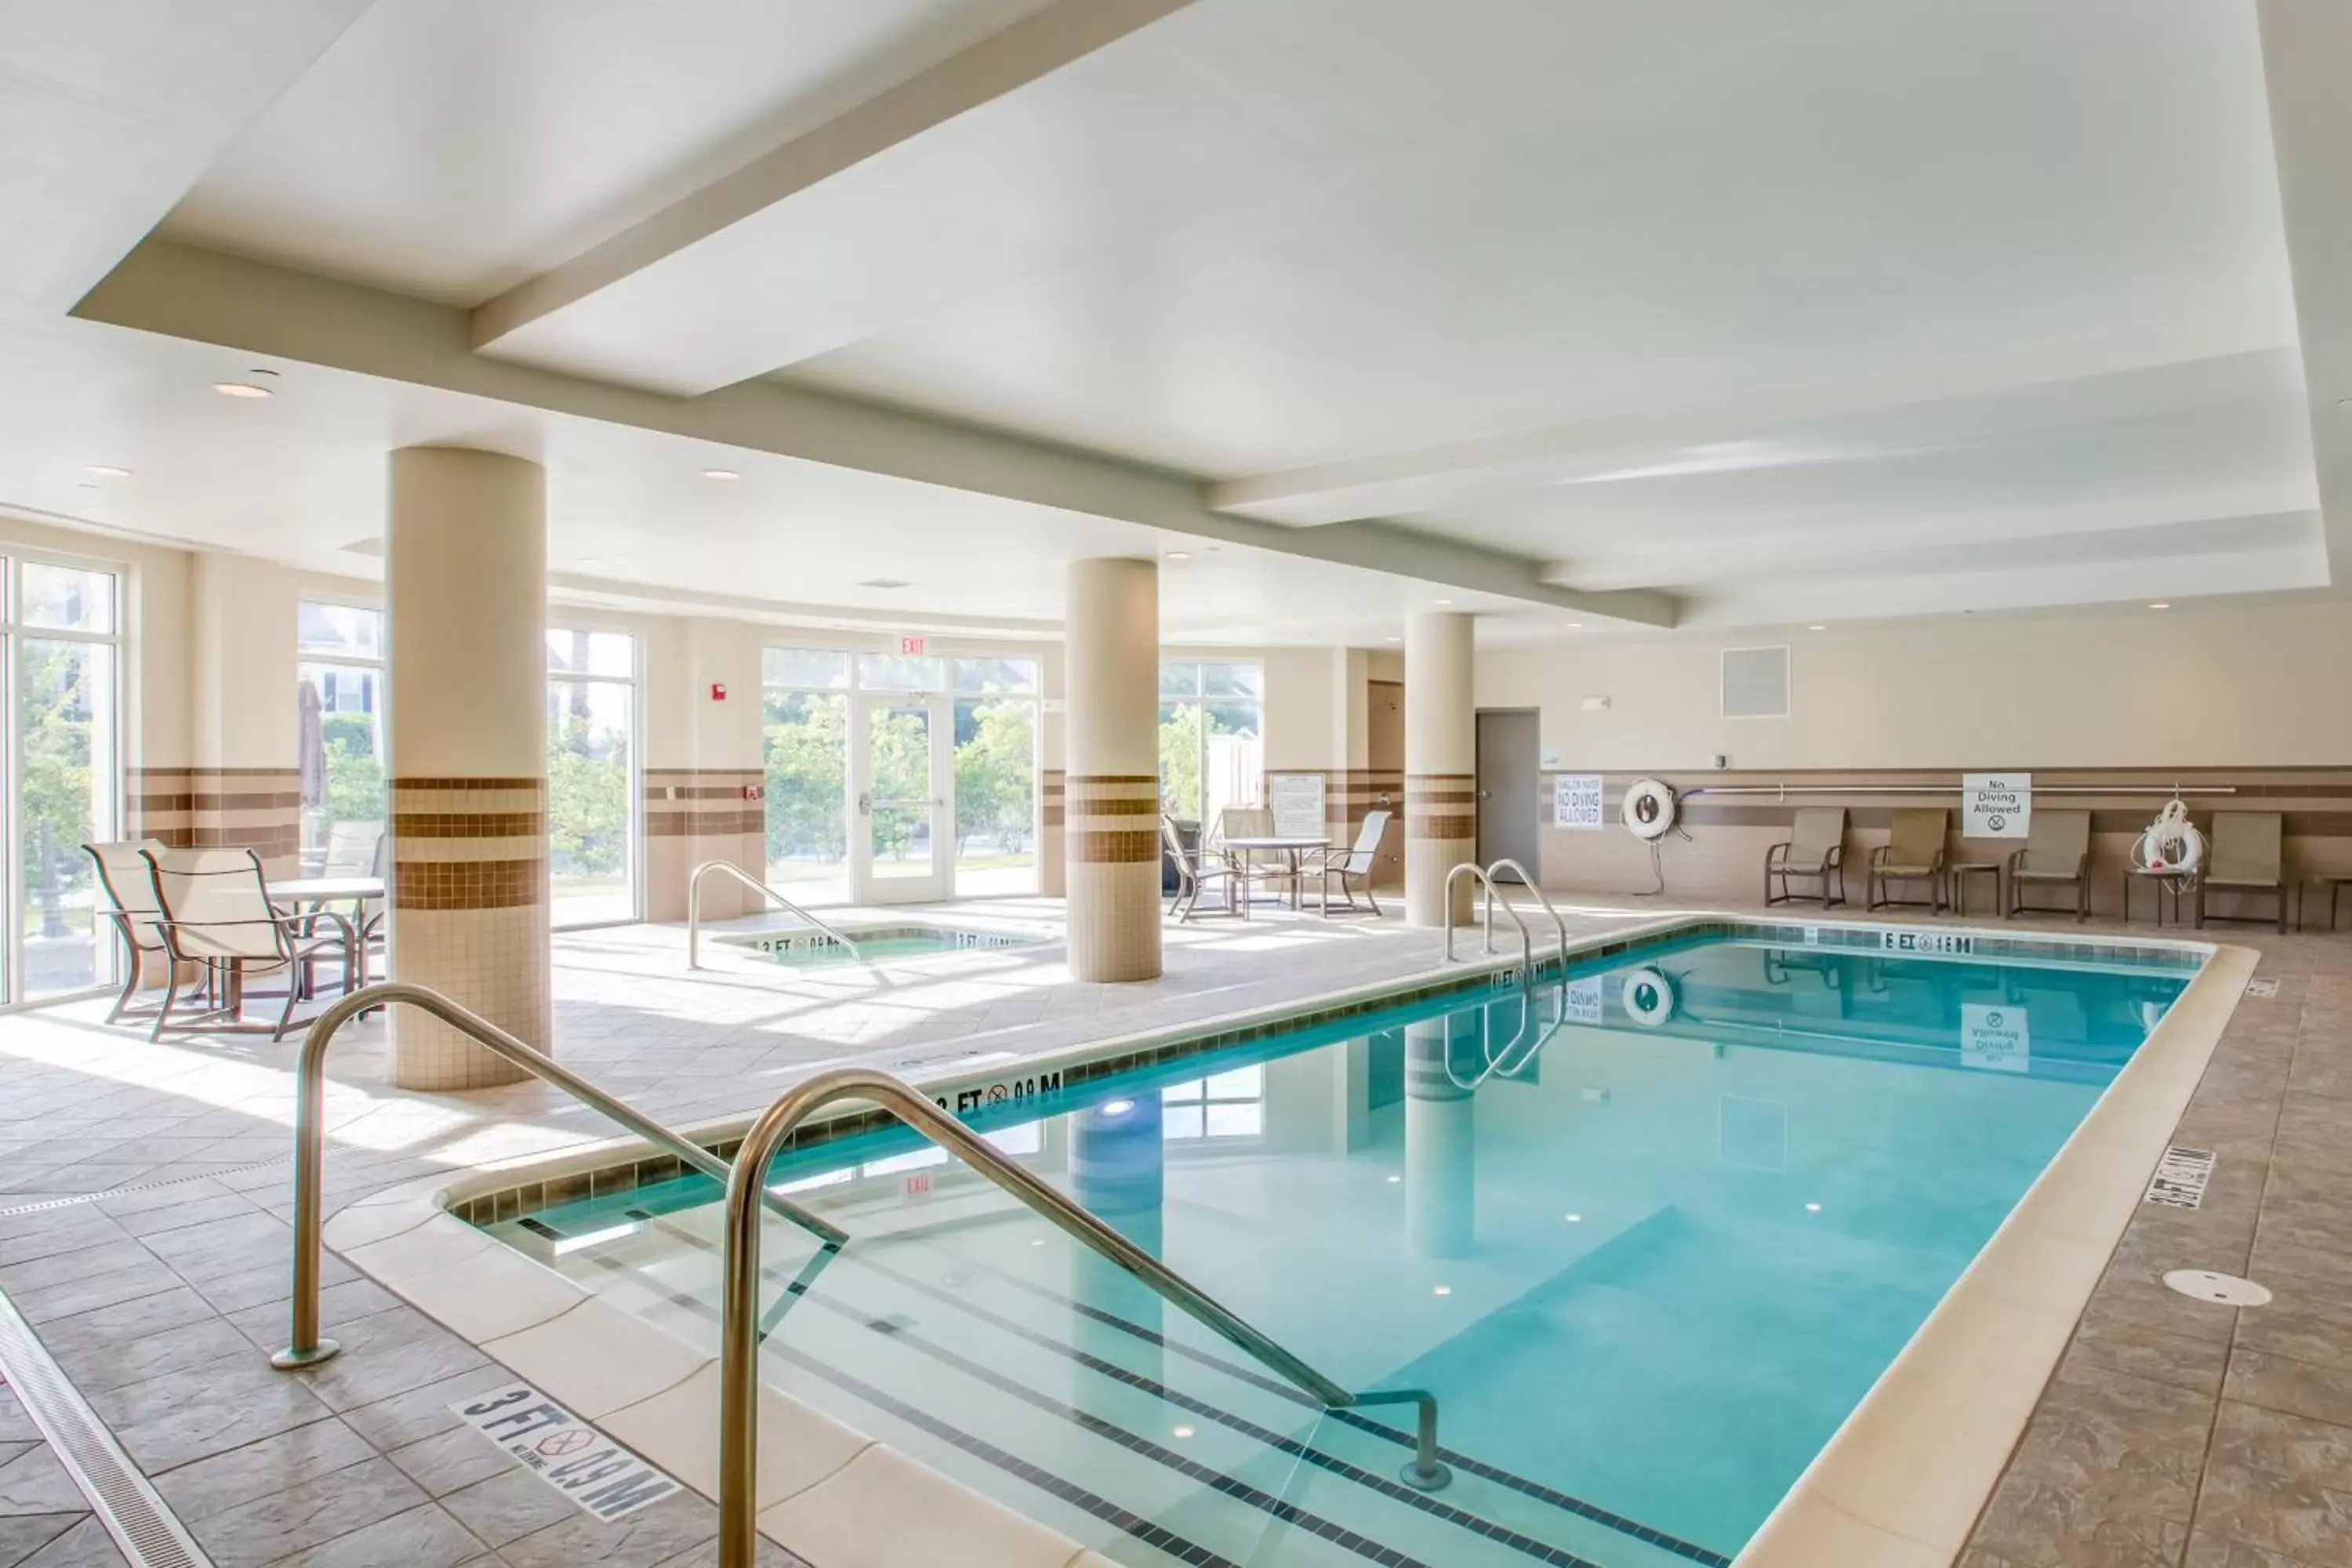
x=1248, y=822
x=1354, y=865
x=1195, y=872
x=1814, y=851
x=128, y=891
x=1914, y=852
x=354, y=850
x=2057, y=854
x=216, y=911
x=2247, y=856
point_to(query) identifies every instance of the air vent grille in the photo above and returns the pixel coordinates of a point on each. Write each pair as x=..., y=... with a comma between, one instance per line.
x=1755, y=682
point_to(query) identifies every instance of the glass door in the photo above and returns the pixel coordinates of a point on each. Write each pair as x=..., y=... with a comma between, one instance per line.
x=899, y=834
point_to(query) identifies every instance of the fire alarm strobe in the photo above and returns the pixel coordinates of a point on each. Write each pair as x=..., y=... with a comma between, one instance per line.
x=718, y=691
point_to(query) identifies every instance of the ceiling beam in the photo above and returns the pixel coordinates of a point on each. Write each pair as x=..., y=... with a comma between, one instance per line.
x=618, y=309
x=204, y=296
x=1727, y=432
x=2305, y=44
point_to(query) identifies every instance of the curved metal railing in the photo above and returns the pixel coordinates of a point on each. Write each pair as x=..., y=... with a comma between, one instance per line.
x=1487, y=933
x=738, y=1429
x=306, y=1348
x=1543, y=897
x=694, y=908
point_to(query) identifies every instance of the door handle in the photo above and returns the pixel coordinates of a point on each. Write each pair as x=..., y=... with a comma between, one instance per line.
x=864, y=804
x=1485, y=795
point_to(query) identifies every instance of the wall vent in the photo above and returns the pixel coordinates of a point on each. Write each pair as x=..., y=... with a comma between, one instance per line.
x=1755, y=682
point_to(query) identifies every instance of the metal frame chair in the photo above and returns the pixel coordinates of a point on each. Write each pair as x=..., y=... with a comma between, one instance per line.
x=1813, y=851
x=1193, y=873
x=1358, y=861
x=1913, y=853
x=2248, y=855
x=2057, y=851
x=216, y=912
x=130, y=887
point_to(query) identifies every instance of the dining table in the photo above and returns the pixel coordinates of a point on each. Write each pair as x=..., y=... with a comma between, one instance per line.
x=312, y=894
x=1292, y=849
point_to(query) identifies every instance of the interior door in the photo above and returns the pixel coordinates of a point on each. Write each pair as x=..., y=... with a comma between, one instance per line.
x=1508, y=773
x=899, y=835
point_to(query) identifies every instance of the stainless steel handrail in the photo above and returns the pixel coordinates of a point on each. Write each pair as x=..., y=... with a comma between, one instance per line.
x=739, y=1406
x=694, y=908
x=1543, y=897
x=1486, y=932
x=307, y=1348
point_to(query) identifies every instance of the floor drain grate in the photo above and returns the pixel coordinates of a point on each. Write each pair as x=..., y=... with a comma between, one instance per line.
x=149, y=1535
x=2204, y=1285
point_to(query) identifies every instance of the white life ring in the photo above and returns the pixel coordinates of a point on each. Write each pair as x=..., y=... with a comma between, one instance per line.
x=1648, y=998
x=2172, y=847
x=1648, y=809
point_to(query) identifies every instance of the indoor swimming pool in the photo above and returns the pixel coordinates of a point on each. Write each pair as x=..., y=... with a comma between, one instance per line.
x=1649, y=1232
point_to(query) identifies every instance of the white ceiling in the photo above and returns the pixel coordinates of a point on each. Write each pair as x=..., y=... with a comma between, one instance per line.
x=1696, y=313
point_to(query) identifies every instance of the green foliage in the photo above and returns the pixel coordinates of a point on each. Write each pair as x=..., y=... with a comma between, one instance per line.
x=55, y=715
x=587, y=799
x=355, y=788
x=807, y=744
x=996, y=774
x=1180, y=759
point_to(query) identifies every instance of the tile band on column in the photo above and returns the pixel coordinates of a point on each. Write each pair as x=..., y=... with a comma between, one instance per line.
x=470, y=916
x=1441, y=806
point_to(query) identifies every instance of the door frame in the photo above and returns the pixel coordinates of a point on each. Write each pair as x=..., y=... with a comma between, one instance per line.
x=1534, y=817
x=865, y=885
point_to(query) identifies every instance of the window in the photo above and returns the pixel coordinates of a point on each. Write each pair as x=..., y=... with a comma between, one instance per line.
x=1211, y=724
x=60, y=647
x=340, y=711
x=993, y=705
x=591, y=773
x=1225, y=1105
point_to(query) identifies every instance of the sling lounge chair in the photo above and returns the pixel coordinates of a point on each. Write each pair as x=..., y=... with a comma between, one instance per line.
x=1814, y=852
x=129, y=891
x=2247, y=856
x=1913, y=853
x=216, y=911
x=1196, y=870
x=1352, y=867
x=2057, y=854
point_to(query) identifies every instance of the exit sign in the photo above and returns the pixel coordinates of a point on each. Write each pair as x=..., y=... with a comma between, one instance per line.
x=914, y=647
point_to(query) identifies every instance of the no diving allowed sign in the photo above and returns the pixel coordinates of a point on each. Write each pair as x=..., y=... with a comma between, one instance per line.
x=1996, y=806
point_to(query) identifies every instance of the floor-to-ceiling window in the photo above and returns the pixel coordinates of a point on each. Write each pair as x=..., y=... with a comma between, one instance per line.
x=996, y=775
x=61, y=647
x=1211, y=736
x=339, y=703
x=805, y=711
x=592, y=773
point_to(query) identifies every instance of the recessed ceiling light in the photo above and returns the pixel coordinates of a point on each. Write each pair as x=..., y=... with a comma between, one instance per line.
x=1395, y=639
x=1117, y=1107
x=1443, y=1290
x=1816, y=627
x=241, y=389
x=885, y=583
x=1180, y=555
x=106, y=471
x=2159, y=606
x=1441, y=601
x=720, y=474
x=1812, y=1209
x=1574, y=1218
x=1575, y=625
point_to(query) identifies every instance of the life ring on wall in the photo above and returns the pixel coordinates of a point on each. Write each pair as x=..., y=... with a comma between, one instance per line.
x=1649, y=998
x=2172, y=847
x=1648, y=809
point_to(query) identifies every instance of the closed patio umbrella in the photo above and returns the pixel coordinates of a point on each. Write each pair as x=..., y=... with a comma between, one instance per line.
x=312, y=745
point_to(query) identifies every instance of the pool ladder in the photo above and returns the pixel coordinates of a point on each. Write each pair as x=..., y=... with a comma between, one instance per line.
x=738, y=1430
x=694, y=908
x=1485, y=879
x=305, y=1347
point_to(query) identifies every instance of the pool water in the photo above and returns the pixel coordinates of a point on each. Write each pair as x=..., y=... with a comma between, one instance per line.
x=802, y=949
x=1648, y=1234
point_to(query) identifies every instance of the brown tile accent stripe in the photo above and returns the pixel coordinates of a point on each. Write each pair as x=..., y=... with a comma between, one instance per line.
x=1050, y=797
x=1080, y=780
x=1428, y=796
x=467, y=824
x=469, y=884
x=1101, y=815
x=1099, y=848
x=704, y=824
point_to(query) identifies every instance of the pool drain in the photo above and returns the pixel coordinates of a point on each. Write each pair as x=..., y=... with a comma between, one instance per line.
x=2204, y=1285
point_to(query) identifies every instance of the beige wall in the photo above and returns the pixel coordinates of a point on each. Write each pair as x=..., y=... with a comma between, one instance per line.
x=2241, y=697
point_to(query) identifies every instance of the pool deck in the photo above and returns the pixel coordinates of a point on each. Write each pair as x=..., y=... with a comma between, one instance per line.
x=2174, y=1433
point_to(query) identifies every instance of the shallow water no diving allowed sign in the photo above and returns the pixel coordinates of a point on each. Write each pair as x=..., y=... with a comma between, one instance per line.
x=1996, y=806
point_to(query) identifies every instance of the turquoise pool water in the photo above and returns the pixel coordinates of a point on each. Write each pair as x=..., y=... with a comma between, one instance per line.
x=804, y=948
x=1649, y=1235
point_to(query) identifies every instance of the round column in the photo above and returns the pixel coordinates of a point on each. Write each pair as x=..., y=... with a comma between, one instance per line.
x=466, y=586
x=1111, y=795
x=1441, y=764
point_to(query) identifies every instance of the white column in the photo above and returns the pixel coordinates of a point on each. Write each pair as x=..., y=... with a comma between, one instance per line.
x=1441, y=1146
x=466, y=584
x=1441, y=762
x=1111, y=837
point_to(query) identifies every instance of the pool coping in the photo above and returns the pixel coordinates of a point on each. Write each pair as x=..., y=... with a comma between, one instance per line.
x=658, y=1393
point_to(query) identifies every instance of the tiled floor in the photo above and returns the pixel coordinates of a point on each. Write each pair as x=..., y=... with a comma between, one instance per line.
x=2176, y=1433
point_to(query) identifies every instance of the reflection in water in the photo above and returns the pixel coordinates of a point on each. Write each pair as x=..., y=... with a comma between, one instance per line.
x=1441, y=1154
x=1119, y=1169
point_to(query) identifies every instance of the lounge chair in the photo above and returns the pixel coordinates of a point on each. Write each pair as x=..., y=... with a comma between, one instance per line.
x=2246, y=855
x=2057, y=854
x=1814, y=852
x=1354, y=865
x=1195, y=869
x=129, y=891
x=216, y=911
x=1913, y=853
x=353, y=849
x=1248, y=822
